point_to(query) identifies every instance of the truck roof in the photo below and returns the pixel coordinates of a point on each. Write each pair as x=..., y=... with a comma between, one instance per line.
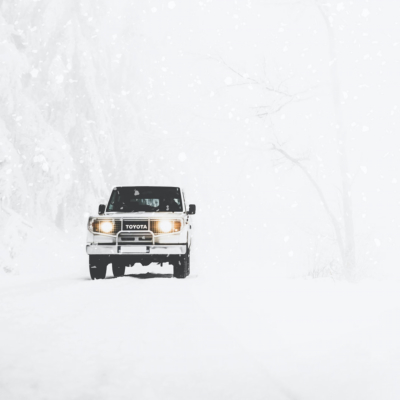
x=146, y=186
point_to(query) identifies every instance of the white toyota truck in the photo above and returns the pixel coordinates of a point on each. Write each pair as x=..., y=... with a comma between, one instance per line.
x=141, y=224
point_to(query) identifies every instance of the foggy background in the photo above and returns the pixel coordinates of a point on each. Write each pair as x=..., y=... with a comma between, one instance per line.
x=280, y=119
x=195, y=94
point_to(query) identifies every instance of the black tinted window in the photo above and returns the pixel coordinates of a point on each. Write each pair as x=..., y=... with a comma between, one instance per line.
x=131, y=199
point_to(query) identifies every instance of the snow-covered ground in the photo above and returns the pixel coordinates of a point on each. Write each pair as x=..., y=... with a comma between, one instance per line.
x=215, y=335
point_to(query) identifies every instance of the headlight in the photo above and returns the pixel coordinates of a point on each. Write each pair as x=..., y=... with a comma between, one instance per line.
x=106, y=227
x=165, y=226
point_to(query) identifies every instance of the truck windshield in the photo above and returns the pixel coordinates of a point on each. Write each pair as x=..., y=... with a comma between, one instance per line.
x=145, y=198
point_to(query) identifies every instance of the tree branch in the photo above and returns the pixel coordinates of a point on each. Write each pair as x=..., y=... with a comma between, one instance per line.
x=321, y=195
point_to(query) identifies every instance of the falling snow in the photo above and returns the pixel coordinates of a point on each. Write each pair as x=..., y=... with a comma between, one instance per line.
x=281, y=123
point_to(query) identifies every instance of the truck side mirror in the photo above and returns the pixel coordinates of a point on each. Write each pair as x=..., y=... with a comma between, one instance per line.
x=102, y=209
x=192, y=209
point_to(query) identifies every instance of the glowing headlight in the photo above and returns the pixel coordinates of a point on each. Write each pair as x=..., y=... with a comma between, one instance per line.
x=165, y=226
x=106, y=227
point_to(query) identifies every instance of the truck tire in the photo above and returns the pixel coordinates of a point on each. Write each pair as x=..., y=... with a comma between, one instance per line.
x=98, y=267
x=118, y=269
x=182, y=266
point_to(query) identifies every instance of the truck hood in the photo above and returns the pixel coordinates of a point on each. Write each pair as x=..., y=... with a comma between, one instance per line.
x=142, y=215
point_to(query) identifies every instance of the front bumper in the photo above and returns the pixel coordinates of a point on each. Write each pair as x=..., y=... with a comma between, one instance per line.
x=93, y=249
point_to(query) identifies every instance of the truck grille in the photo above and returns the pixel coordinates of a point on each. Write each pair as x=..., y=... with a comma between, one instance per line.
x=117, y=226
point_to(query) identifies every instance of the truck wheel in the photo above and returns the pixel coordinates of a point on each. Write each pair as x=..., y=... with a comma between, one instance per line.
x=182, y=266
x=118, y=269
x=98, y=267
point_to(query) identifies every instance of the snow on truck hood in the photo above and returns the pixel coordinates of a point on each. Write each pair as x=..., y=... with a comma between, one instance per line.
x=142, y=215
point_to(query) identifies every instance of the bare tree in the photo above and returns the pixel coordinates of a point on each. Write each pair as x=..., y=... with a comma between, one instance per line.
x=349, y=258
x=342, y=222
